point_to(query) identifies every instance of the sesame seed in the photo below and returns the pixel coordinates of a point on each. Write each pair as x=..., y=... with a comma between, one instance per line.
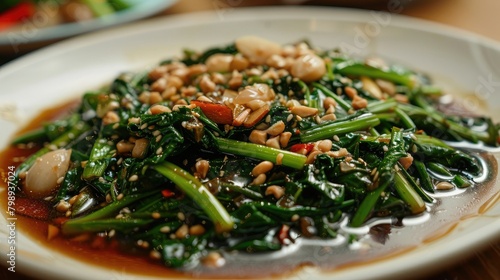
x=120, y=197
x=376, y=176
x=155, y=255
x=133, y=178
x=111, y=233
x=414, y=148
x=181, y=216
x=156, y=215
x=165, y=229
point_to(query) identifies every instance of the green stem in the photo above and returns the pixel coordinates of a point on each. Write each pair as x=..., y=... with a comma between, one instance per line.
x=439, y=169
x=307, y=95
x=386, y=177
x=462, y=131
x=245, y=191
x=35, y=135
x=199, y=194
x=429, y=140
x=407, y=193
x=354, y=68
x=367, y=205
x=461, y=182
x=122, y=225
x=77, y=225
x=420, y=191
x=328, y=130
x=261, y=152
x=382, y=106
x=425, y=179
x=340, y=101
x=405, y=119
x=101, y=152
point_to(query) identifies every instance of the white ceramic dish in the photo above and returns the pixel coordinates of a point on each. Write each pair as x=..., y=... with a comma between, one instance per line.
x=456, y=59
x=33, y=33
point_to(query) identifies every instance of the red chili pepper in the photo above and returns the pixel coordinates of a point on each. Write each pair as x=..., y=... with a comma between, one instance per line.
x=15, y=14
x=219, y=113
x=167, y=193
x=33, y=208
x=302, y=148
x=283, y=235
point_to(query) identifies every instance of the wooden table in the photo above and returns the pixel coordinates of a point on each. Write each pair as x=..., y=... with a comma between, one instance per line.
x=479, y=17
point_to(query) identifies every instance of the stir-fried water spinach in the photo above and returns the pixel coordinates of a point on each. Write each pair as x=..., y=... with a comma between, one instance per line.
x=248, y=147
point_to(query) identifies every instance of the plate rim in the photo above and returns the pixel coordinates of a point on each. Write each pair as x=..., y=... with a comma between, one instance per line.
x=140, y=9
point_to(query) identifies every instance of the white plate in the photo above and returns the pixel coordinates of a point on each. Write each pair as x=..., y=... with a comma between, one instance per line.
x=460, y=61
x=33, y=33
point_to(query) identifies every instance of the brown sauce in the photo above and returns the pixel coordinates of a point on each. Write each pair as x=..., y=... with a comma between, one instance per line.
x=103, y=253
x=107, y=253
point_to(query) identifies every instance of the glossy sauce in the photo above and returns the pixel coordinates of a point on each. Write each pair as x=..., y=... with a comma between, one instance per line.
x=98, y=251
x=109, y=254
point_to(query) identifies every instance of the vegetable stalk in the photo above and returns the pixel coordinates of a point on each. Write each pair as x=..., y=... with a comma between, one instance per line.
x=261, y=152
x=328, y=130
x=199, y=194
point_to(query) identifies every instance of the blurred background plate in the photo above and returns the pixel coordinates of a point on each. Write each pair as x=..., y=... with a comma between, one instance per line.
x=32, y=36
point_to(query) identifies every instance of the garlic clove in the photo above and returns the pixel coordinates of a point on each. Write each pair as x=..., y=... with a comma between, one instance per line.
x=42, y=179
